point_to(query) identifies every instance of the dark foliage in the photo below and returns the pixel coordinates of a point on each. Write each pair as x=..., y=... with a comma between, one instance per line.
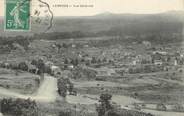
x=83, y=73
x=23, y=66
x=64, y=113
x=65, y=85
x=62, y=87
x=104, y=105
x=19, y=107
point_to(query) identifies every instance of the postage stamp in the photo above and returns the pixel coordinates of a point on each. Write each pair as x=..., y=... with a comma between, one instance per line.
x=17, y=15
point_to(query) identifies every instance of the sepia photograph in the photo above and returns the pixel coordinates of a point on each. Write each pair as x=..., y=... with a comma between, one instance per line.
x=91, y=57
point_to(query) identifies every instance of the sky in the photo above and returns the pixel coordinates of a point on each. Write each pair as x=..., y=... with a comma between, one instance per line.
x=101, y=6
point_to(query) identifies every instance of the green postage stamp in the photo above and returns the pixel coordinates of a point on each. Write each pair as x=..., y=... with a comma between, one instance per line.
x=17, y=15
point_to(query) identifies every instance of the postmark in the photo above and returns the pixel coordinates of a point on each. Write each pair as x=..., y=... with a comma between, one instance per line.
x=42, y=15
x=17, y=15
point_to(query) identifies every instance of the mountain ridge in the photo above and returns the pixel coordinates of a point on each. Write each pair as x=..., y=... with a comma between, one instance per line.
x=171, y=21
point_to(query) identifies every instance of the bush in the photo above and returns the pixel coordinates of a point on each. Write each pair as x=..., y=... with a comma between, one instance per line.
x=124, y=112
x=62, y=87
x=161, y=107
x=19, y=107
x=84, y=73
x=64, y=113
x=178, y=108
x=23, y=66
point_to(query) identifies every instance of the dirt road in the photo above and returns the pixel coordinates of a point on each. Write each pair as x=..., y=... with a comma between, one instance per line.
x=48, y=90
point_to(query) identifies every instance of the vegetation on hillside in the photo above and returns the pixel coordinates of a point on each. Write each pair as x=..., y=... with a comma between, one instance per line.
x=19, y=107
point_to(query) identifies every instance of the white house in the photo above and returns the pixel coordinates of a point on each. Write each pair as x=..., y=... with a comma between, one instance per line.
x=158, y=62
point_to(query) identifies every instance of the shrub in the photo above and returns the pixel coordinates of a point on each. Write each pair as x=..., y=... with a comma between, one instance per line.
x=178, y=108
x=84, y=73
x=64, y=113
x=62, y=87
x=161, y=107
x=23, y=66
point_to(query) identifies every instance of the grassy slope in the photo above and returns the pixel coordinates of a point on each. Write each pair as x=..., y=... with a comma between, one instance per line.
x=22, y=83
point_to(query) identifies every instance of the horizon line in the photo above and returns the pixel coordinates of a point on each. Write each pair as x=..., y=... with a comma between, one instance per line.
x=111, y=13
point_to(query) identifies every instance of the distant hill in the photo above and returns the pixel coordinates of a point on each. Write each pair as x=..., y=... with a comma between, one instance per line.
x=171, y=21
x=128, y=23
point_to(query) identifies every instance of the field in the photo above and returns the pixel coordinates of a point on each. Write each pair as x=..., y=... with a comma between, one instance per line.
x=20, y=81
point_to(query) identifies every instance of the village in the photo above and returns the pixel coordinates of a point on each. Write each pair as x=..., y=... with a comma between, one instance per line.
x=134, y=76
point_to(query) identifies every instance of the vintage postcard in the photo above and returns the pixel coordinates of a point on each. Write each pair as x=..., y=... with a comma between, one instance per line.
x=91, y=57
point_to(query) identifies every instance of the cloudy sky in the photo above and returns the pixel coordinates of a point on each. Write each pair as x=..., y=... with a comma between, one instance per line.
x=113, y=6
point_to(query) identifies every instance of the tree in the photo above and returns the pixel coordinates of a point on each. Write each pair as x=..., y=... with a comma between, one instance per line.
x=70, y=88
x=34, y=62
x=66, y=61
x=41, y=65
x=47, y=70
x=87, y=63
x=76, y=62
x=104, y=105
x=62, y=87
x=64, y=45
x=93, y=60
x=161, y=107
x=104, y=60
x=23, y=66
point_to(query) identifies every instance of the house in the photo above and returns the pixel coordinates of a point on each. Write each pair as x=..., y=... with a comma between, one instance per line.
x=73, y=46
x=134, y=62
x=70, y=66
x=160, y=52
x=55, y=70
x=86, y=46
x=158, y=62
x=175, y=62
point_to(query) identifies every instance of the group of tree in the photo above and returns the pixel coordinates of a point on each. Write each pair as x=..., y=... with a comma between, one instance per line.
x=65, y=85
x=39, y=63
x=19, y=107
x=15, y=66
x=65, y=113
x=35, y=66
x=105, y=104
x=146, y=69
x=76, y=61
x=20, y=40
x=97, y=60
x=63, y=35
x=106, y=108
x=83, y=73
